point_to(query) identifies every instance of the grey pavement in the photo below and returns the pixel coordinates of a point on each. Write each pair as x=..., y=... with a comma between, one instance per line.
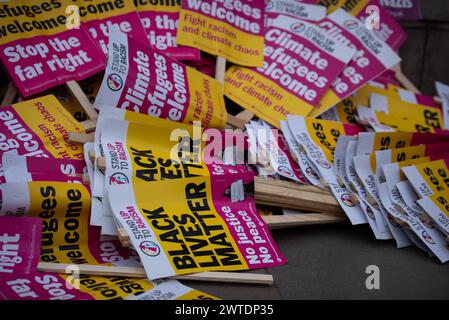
x=329, y=262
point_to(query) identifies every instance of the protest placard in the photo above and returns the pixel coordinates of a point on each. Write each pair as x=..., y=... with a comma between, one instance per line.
x=319, y=138
x=301, y=62
x=23, y=169
x=19, y=245
x=373, y=57
x=38, y=128
x=371, y=11
x=230, y=29
x=101, y=16
x=194, y=226
x=38, y=50
x=140, y=79
x=161, y=21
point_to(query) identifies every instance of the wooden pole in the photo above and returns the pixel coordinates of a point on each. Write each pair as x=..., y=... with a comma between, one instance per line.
x=245, y=116
x=81, y=138
x=402, y=78
x=89, y=125
x=139, y=272
x=220, y=69
x=81, y=97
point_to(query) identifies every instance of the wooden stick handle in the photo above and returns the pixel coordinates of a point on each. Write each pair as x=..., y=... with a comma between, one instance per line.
x=89, y=125
x=220, y=69
x=81, y=138
x=404, y=80
x=79, y=95
x=245, y=115
x=235, y=122
x=139, y=272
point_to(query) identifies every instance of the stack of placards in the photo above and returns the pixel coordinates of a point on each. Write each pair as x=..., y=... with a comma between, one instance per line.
x=121, y=162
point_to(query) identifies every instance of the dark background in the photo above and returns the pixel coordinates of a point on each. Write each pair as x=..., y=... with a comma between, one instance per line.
x=425, y=55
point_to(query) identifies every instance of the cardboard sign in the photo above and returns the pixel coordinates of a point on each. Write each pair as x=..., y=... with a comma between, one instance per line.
x=384, y=157
x=403, y=10
x=370, y=174
x=346, y=110
x=274, y=145
x=67, y=236
x=191, y=225
x=231, y=29
x=101, y=16
x=167, y=156
x=394, y=176
x=308, y=169
x=437, y=206
x=401, y=115
x=24, y=169
x=19, y=245
x=319, y=139
x=371, y=142
x=51, y=286
x=174, y=153
x=161, y=20
x=293, y=8
x=399, y=199
x=373, y=57
x=417, y=98
x=429, y=178
x=389, y=30
x=374, y=214
x=367, y=144
x=432, y=239
x=172, y=290
x=97, y=181
x=143, y=80
x=38, y=128
x=39, y=52
x=298, y=69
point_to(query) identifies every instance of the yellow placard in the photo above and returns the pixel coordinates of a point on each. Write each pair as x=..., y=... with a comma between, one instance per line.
x=22, y=19
x=176, y=210
x=268, y=100
x=65, y=210
x=220, y=38
x=325, y=134
x=435, y=174
x=201, y=87
x=354, y=7
x=154, y=161
x=48, y=119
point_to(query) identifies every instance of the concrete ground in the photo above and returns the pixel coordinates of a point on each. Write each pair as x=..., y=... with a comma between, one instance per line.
x=329, y=262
